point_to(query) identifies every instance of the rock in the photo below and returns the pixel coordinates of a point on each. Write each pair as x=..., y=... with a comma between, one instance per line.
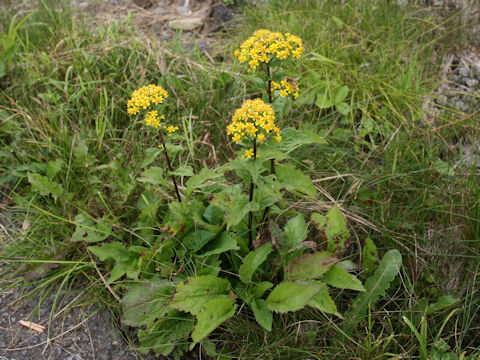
x=222, y=13
x=145, y=3
x=460, y=105
x=188, y=23
x=464, y=71
x=470, y=82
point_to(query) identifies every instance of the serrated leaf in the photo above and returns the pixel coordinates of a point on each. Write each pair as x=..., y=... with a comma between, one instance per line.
x=259, y=289
x=323, y=302
x=222, y=243
x=295, y=231
x=291, y=296
x=369, y=256
x=112, y=250
x=295, y=181
x=166, y=333
x=336, y=231
x=53, y=168
x=310, y=266
x=375, y=286
x=215, y=313
x=252, y=261
x=197, y=181
x=442, y=303
x=192, y=295
x=292, y=139
x=196, y=240
x=262, y=314
x=153, y=175
x=89, y=231
x=342, y=279
x=318, y=220
x=44, y=186
x=146, y=301
x=239, y=207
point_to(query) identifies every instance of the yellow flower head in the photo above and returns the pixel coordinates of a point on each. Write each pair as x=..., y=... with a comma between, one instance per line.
x=285, y=88
x=266, y=45
x=153, y=119
x=253, y=120
x=145, y=97
x=248, y=154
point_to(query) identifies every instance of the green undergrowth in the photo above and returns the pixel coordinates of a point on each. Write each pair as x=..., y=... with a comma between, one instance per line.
x=70, y=155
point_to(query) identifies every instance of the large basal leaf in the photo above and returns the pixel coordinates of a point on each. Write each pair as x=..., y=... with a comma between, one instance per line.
x=171, y=330
x=336, y=231
x=375, y=286
x=252, y=261
x=146, y=301
x=89, y=231
x=198, y=181
x=295, y=181
x=221, y=244
x=196, y=240
x=342, y=279
x=442, y=303
x=44, y=186
x=262, y=314
x=292, y=296
x=192, y=295
x=295, y=231
x=215, y=312
x=323, y=302
x=154, y=176
x=310, y=266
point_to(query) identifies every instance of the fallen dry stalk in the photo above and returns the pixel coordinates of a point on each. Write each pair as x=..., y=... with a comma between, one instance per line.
x=31, y=325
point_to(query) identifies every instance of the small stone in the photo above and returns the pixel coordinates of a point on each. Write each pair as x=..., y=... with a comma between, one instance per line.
x=189, y=23
x=455, y=78
x=460, y=105
x=464, y=71
x=470, y=82
x=222, y=13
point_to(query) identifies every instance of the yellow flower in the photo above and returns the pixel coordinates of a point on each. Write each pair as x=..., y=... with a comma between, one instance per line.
x=254, y=120
x=171, y=129
x=153, y=119
x=286, y=87
x=145, y=97
x=248, y=154
x=266, y=45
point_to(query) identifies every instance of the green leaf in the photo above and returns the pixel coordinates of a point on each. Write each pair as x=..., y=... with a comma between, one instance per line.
x=292, y=139
x=196, y=240
x=340, y=94
x=53, y=168
x=323, y=59
x=151, y=154
x=89, y=231
x=252, y=261
x=318, y=220
x=343, y=108
x=215, y=312
x=239, y=207
x=191, y=296
x=310, y=266
x=112, y=250
x=375, y=286
x=336, y=231
x=442, y=303
x=198, y=181
x=2, y=68
x=295, y=181
x=342, y=279
x=167, y=333
x=338, y=22
x=153, y=175
x=44, y=186
x=222, y=243
x=324, y=101
x=262, y=314
x=295, y=231
x=291, y=296
x=259, y=289
x=183, y=171
x=117, y=272
x=369, y=256
x=323, y=302
x=146, y=301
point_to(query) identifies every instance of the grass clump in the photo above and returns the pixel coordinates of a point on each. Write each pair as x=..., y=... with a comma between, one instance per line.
x=76, y=166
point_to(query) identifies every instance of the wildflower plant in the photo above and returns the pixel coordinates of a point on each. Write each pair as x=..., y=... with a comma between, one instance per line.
x=147, y=98
x=215, y=254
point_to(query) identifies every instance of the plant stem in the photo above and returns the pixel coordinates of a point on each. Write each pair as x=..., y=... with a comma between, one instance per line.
x=170, y=166
x=269, y=85
x=250, y=199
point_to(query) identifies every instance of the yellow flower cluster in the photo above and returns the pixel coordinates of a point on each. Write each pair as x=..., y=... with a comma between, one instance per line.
x=145, y=97
x=286, y=88
x=153, y=119
x=254, y=120
x=266, y=45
